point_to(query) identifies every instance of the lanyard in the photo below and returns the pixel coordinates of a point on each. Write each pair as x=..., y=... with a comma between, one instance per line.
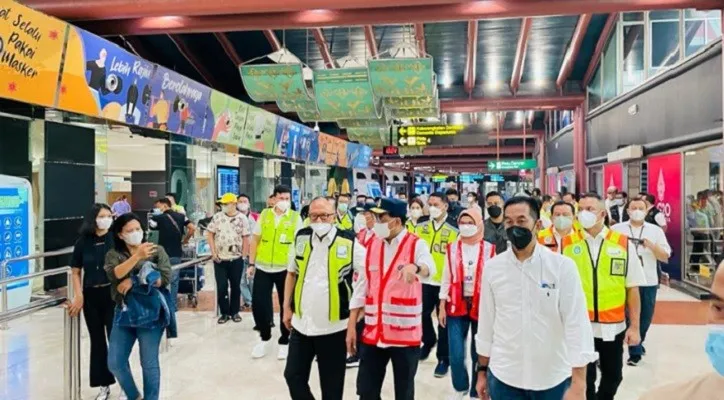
x=638, y=241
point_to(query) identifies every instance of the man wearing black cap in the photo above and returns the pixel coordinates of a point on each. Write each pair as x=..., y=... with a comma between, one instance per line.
x=391, y=293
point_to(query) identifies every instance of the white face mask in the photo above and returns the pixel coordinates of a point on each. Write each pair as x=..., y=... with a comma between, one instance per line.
x=360, y=222
x=382, y=229
x=588, y=219
x=416, y=213
x=228, y=208
x=104, y=223
x=467, y=230
x=243, y=207
x=637, y=215
x=321, y=228
x=342, y=207
x=283, y=205
x=618, y=202
x=562, y=222
x=133, y=238
x=435, y=212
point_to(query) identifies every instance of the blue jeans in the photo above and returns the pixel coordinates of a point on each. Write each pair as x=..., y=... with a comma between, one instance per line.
x=119, y=350
x=175, y=276
x=457, y=334
x=500, y=391
x=648, y=305
x=247, y=286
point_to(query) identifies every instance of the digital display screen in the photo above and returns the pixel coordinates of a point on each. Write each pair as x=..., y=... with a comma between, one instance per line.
x=227, y=180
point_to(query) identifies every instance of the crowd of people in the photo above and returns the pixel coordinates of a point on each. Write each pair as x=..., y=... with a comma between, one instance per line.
x=549, y=289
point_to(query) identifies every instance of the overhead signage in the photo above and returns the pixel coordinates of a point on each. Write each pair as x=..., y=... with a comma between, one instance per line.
x=413, y=141
x=439, y=178
x=429, y=130
x=512, y=164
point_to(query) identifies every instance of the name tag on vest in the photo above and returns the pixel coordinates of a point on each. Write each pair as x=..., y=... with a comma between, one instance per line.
x=342, y=252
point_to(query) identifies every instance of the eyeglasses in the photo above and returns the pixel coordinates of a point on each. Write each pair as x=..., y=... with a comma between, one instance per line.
x=319, y=217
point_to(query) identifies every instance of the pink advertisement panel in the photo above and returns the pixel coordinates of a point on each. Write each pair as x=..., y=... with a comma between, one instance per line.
x=612, y=176
x=664, y=182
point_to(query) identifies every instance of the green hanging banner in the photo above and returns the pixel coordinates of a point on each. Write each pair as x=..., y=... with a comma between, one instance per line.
x=345, y=94
x=298, y=105
x=272, y=82
x=410, y=102
x=402, y=77
x=363, y=123
x=414, y=113
x=374, y=137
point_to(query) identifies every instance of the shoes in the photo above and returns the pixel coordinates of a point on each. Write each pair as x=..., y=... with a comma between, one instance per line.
x=457, y=396
x=104, y=393
x=633, y=361
x=223, y=319
x=425, y=353
x=352, y=362
x=283, y=352
x=122, y=396
x=236, y=318
x=442, y=369
x=260, y=349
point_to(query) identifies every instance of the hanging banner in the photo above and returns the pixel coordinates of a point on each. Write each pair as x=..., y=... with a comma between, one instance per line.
x=287, y=133
x=101, y=79
x=259, y=130
x=664, y=182
x=306, y=140
x=177, y=104
x=402, y=77
x=336, y=152
x=613, y=176
x=345, y=94
x=31, y=46
x=226, y=117
x=271, y=82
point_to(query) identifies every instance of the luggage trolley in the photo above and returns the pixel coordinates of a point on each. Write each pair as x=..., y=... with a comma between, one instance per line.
x=191, y=277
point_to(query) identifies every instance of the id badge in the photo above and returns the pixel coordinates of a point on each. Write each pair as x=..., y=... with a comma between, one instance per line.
x=283, y=238
x=342, y=252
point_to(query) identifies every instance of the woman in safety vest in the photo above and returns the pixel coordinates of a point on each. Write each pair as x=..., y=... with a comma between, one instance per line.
x=459, y=296
x=416, y=207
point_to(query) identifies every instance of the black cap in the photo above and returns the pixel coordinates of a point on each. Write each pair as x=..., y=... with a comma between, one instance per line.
x=396, y=208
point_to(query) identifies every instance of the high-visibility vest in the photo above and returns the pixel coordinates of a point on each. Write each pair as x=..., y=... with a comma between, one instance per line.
x=438, y=241
x=361, y=235
x=604, y=283
x=547, y=238
x=410, y=226
x=344, y=223
x=306, y=222
x=393, y=307
x=273, y=249
x=339, y=265
x=456, y=305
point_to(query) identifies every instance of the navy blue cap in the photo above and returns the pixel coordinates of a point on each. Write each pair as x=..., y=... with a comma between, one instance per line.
x=396, y=208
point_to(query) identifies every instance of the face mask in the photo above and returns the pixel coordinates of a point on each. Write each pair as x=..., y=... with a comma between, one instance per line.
x=342, y=207
x=468, y=230
x=382, y=229
x=588, y=219
x=104, y=222
x=715, y=347
x=519, y=237
x=618, y=202
x=321, y=228
x=134, y=238
x=283, y=205
x=416, y=213
x=243, y=207
x=228, y=208
x=562, y=223
x=157, y=211
x=435, y=212
x=637, y=215
x=494, y=211
x=471, y=200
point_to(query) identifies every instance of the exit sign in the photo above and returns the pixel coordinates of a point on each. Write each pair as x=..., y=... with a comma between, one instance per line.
x=390, y=150
x=512, y=164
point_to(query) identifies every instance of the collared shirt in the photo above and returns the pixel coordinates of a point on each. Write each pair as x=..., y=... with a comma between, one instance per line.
x=120, y=207
x=648, y=260
x=470, y=264
x=229, y=232
x=708, y=386
x=634, y=277
x=422, y=258
x=495, y=234
x=533, y=321
x=315, y=294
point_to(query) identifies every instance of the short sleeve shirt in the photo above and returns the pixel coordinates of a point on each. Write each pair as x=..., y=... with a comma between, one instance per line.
x=228, y=234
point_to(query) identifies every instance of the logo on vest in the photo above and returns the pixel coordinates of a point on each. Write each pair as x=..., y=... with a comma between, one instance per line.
x=577, y=250
x=342, y=251
x=425, y=229
x=548, y=240
x=614, y=252
x=300, y=248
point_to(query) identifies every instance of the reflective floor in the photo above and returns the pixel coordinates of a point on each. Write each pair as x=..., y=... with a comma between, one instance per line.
x=212, y=362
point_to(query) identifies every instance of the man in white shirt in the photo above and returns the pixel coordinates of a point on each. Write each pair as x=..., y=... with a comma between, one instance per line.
x=610, y=273
x=534, y=340
x=651, y=248
x=610, y=197
x=316, y=310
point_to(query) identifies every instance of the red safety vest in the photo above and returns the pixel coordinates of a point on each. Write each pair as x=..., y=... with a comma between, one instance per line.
x=456, y=305
x=393, y=307
x=361, y=237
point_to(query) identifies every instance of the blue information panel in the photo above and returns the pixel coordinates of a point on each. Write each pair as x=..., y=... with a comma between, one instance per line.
x=14, y=214
x=227, y=180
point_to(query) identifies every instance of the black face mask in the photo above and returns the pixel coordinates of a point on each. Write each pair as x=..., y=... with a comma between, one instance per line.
x=494, y=211
x=519, y=237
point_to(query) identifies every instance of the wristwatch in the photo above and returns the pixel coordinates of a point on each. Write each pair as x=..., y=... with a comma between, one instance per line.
x=481, y=368
x=417, y=270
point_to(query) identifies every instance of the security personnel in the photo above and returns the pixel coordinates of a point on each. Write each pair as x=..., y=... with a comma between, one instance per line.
x=272, y=241
x=437, y=231
x=563, y=224
x=610, y=280
x=344, y=219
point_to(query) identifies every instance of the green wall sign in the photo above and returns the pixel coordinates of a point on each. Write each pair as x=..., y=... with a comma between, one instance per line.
x=512, y=164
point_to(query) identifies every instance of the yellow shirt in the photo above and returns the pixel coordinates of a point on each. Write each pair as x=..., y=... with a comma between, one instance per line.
x=703, y=387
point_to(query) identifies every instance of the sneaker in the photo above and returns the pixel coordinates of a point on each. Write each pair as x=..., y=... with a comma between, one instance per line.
x=104, y=393
x=260, y=349
x=352, y=362
x=442, y=369
x=283, y=352
x=633, y=361
x=223, y=319
x=457, y=396
x=425, y=353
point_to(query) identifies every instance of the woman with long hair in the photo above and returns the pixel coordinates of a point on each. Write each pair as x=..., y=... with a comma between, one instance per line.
x=92, y=292
x=416, y=211
x=127, y=263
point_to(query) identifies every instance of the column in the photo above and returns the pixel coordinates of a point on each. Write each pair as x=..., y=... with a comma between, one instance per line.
x=579, y=150
x=543, y=184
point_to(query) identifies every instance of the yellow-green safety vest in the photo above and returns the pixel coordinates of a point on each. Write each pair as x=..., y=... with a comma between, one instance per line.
x=339, y=263
x=273, y=249
x=411, y=227
x=438, y=241
x=306, y=222
x=345, y=223
x=605, y=282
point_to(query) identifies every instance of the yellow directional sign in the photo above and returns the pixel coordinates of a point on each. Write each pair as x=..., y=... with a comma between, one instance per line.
x=429, y=130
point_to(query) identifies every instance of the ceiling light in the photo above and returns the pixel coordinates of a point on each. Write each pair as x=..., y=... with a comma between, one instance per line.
x=519, y=117
x=446, y=81
x=489, y=119
x=539, y=83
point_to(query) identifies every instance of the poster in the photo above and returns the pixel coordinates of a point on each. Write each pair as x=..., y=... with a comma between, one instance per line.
x=226, y=118
x=259, y=130
x=306, y=144
x=664, y=182
x=177, y=104
x=101, y=79
x=336, y=152
x=31, y=46
x=613, y=176
x=285, y=142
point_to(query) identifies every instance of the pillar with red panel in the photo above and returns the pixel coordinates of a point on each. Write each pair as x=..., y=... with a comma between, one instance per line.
x=579, y=149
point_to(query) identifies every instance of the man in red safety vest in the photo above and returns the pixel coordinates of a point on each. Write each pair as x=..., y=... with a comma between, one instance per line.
x=391, y=293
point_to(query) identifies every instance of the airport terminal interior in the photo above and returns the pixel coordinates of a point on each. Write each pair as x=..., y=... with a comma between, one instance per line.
x=373, y=103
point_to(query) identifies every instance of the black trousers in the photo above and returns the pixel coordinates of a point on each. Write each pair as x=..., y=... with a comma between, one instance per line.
x=430, y=303
x=610, y=355
x=98, y=312
x=228, y=274
x=331, y=353
x=373, y=365
x=263, y=309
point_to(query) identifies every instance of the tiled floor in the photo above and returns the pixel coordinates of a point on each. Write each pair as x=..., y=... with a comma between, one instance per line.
x=212, y=362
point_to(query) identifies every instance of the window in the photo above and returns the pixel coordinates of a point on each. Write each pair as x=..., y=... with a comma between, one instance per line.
x=633, y=16
x=700, y=28
x=609, y=84
x=664, y=36
x=594, y=90
x=633, y=56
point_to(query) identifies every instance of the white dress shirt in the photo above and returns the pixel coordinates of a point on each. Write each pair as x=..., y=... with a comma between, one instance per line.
x=655, y=235
x=422, y=258
x=470, y=263
x=634, y=278
x=533, y=322
x=278, y=217
x=315, y=293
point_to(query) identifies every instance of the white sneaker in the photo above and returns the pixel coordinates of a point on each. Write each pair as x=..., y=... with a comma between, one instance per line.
x=283, y=352
x=260, y=349
x=457, y=396
x=104, y=393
